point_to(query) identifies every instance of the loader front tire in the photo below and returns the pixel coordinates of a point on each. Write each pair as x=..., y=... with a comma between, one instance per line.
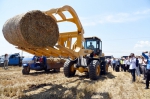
x=69, y=70
x=94, y=70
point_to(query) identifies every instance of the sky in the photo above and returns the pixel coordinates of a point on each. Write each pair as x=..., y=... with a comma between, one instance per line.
x=122, y=25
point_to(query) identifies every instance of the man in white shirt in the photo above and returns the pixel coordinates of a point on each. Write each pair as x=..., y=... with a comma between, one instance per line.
x=132, y=66
x=6, y=61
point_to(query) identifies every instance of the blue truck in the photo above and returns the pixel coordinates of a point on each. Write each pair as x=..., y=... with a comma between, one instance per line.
x=14, y=59
x=40, y=63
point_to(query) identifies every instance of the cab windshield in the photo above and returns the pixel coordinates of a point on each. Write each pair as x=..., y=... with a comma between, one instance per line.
x=90, y=45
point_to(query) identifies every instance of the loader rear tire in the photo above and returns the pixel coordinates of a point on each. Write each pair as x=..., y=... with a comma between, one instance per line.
x=69, y=70
x=94, y=70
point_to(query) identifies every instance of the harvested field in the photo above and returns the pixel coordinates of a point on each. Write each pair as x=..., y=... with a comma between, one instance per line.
x=41, y=85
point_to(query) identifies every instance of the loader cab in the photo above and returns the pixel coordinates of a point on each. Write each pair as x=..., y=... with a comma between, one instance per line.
x=93, y=43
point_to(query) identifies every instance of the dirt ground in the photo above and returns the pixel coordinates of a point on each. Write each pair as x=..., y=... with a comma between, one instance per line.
x=41, y=85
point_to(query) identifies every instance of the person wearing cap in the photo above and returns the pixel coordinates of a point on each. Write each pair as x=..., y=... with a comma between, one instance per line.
x=132, y=67
x=6, y=61
x=147, y=74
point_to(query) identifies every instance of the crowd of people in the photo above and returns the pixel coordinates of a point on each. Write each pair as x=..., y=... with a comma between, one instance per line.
x=134, y=64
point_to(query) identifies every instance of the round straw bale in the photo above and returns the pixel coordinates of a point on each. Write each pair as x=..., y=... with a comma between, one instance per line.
x=33, y=29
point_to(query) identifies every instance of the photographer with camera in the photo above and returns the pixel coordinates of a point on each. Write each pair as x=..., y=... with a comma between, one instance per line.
x=132, y=67
x=147, y=74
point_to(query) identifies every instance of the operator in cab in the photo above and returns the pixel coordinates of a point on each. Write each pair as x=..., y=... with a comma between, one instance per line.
x=91, y=46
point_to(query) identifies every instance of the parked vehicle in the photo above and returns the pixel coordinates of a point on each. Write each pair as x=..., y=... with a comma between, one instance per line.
x=14, y=59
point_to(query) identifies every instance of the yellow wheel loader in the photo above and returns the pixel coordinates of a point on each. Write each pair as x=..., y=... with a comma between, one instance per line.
x=84, y=55
x=93, y=64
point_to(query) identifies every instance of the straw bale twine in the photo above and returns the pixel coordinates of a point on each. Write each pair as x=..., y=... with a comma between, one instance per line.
x=30, y=30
